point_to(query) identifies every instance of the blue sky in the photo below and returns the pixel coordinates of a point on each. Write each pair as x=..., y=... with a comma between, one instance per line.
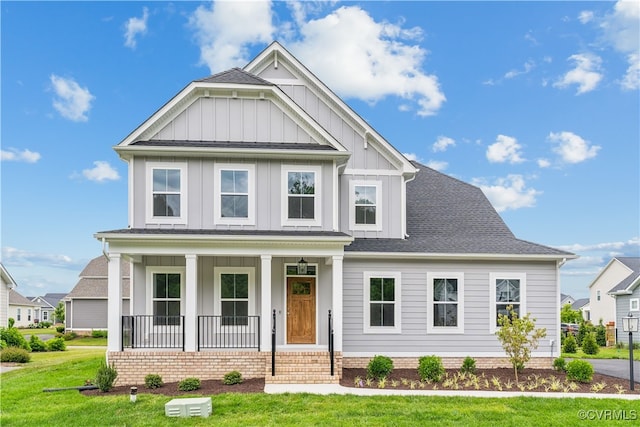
x=535, y=102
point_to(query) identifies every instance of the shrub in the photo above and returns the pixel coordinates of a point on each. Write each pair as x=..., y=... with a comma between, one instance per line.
x=430, y=368
x=379, y=367
x=589, y=344
x=60, y=329
x=3, y=344
x=583, y=330
x=106, y=376
x=231, y=378
x=37, y=344
x=44, y=325
x=56, y=344
x=153, y=381
x=468, y=365
x=15, y=354
x=189, y=384
x=68, y=336
x=580, y=370
x=11, y=322
x=601, y=335
x=570, y=345
x=559, y=364
x=97, y=333
x=14, y=338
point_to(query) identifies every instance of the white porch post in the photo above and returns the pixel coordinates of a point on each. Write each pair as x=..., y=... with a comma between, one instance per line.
x=114, y=303
x=190, y=302
x=265, y=299
x=336, y=303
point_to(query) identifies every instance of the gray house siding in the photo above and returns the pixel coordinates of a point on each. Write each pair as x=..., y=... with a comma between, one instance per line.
x=476, y=339
x=87, y=314
x=623, y=305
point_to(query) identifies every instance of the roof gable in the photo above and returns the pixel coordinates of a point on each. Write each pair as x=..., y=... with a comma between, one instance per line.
x=633, y=279
x=16, y=298
x=6, y=277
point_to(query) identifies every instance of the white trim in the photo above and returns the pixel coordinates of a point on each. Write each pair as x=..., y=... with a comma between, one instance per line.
x=634, y=304
x=372, y=172
x=492, y=295
x=459, y=329
x=150, y=218
x=286, y=315
x=150, y=271
x=366, y=301
x=217, y=292
x=352, y=205
x=250, y=168
x=317, y=196
x=444, y=255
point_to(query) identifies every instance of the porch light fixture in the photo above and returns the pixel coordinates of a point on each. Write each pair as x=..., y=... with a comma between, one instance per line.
x=302, y=266
x=630, y=324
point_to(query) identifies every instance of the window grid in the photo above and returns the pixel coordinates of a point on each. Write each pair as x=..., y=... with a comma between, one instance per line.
x=234, y=299
x=166, y=192
x=166, y=298
x=365, y=204
x=234, y=193
x=445, y=302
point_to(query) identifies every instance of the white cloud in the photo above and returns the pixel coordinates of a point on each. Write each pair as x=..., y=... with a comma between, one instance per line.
x=442, y=143
x=508, y=193
x=505, y=149
x=19, y=257
x=631, y=80
x=572, y=148
x=411, y=156
x=631, y=245
x=437, y=165
x=73, y=102
x=364, y=59
x=585, y=16
x=586, y=73
x=527, y=67
x=101, y=172
x=15, y=155
x=134, y=27
x=225, y=28
x=544, y=163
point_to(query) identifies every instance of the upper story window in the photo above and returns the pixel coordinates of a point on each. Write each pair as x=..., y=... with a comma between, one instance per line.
x=445, y=296
x=364, y=201
x=166, y=198
x=382, y=302
x=598, y=295
x=506, y=289
x=235, y=194
x=301, y=198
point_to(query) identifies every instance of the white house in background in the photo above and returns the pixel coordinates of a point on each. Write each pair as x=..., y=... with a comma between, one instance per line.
x=48, y=303
x=566, y=299
x=602, y=305
x=6, y=284
x=21, y=309
x=582, y=305
x=626, y=294
x=260, y=203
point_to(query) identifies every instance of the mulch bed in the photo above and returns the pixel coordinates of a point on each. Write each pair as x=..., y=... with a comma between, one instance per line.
x=207, y=387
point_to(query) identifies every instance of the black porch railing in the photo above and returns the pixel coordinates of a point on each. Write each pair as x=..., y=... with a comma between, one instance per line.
x=228, y=332
x=273, y=344
x=149, y=331
x=330, y=328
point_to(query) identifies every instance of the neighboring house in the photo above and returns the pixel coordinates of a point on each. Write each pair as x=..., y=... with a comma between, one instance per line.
x=602, y=305
x=86, y=304
x=6, y=285
x=48, y=304
x=582, y=305
x=626, y=294
x=260, y=203
x=566, y=299
x=21, y=309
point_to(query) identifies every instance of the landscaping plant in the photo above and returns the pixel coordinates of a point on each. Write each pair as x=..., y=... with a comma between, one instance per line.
x=559, y=364
x=379, y=367
x=106, y=376
x=189, y=384
x=601, y=335
x=37, y=344
x=580, y=370
x=570, y=344
x=14, y=355
x=153, y=381
x=13, y=338
x=589, y=344
x=56, y=344
x=232, y=378
x=468, y=365
x=430, y=368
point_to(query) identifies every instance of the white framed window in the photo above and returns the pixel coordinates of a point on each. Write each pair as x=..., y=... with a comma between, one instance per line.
x=445, y=303
x=634, y=304
x=18, y=314
x=235, y=295
x=301, y=195
x=365, y=211
x=597, y=295
x=382, y=302
x=45, y=315
x=166, y=193
x=165, y=287
x=235, y=194
x=28, y=315
x=506, y=289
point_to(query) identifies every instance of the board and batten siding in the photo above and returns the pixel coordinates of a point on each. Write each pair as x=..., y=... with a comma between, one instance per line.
x=87, y=314
x=541, y=287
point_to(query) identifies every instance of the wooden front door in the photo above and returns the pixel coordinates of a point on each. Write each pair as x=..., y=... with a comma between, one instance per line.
x=301, y=310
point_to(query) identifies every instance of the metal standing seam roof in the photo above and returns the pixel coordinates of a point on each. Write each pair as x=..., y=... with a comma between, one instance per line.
x=634, y=264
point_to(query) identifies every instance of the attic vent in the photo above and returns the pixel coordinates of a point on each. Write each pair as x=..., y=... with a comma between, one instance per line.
x=366, y=136
x=275, y=59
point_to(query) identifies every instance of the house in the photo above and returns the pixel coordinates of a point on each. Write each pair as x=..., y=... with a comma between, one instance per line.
x=273, y=231
x=86, y=304
x=626, y=294
x=48, y=304
x=582, y=305
x=566, y=299
x=6, y=285
x=602, y=305
x=21, y=309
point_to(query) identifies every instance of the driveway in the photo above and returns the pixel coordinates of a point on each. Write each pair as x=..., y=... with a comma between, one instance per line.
x=616, y=368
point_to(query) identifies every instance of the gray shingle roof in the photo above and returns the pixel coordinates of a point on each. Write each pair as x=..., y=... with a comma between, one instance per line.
x=236, y=76
x=634, y=264
x=579, y=303
x=238, y=145
x=93, y=281
x=17, y=299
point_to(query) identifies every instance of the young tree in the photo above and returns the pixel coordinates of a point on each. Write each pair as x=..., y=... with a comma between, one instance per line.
x=569, y=315
x=58, y=313
x=518, y=336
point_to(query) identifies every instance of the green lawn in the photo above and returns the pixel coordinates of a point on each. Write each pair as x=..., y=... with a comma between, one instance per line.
x=37, y=331
x=24, y=404
x=605, y=353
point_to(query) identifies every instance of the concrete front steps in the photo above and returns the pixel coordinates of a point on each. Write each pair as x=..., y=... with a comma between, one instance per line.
x=302, y=367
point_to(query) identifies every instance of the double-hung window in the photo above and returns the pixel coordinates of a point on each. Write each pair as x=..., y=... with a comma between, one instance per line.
x=235, y=194
x=166, y=200
x=18, y=314
x=445, y=296
x=29, y=314
x=166, y=296
x=301, y=201
x=506, y=290
x=365, y=210
x=382, y=302
x=45, y=315
x=634, y=304
x=235, y=295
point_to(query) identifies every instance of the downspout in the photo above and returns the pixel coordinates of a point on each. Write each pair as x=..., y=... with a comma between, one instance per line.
x=403, y=204
x=104, y=250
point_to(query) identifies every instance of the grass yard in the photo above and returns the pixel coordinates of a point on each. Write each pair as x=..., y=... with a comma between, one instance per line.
x=24, y=404
x=604, y=353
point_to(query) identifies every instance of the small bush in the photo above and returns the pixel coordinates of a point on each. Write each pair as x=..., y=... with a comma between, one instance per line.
x=68, y=336
x=468, y=365
x=3, y=344
x=60, y=329
x=15, y=355
x=231, y=378
x=44, y=325
x=14, y=338
x=379, y=367
x=97, y=333
x=570, y=345
x=430, y=368
x=106, y=376
x=580, y=370
x=153, y=381
x=56, y=344
x=601, y=335
x=560, y=365
x=189, y=384
x=37, y=344
x=589, y=344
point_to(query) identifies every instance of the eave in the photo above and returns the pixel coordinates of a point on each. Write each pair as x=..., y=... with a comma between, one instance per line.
x=458, y=256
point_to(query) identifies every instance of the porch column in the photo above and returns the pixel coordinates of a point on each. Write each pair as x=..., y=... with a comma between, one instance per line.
x=265, y=302
x=114, y=303
x=336, y=303
x=190, y=302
